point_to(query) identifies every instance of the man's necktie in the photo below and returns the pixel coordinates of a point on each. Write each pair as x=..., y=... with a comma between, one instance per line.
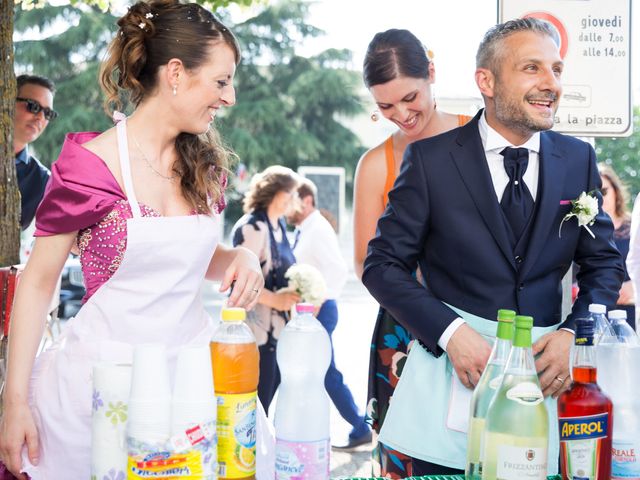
x=517, y=202
x=296, y=238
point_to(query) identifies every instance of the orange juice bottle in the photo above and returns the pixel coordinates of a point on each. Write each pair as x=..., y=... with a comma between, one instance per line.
x=235, y=361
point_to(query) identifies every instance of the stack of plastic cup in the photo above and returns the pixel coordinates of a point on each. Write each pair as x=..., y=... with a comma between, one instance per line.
x=150, y=401
x=111, y=387
x=194, y=407
x=194, y=401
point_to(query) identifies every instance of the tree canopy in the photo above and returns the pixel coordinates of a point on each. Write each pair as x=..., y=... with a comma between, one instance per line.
x=71, y=59
x=288, y=106
x=623, y=155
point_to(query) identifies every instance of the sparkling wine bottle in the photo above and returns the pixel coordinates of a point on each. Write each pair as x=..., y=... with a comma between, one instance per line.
x=515, y=441
x=486, y=389
x=585, y=415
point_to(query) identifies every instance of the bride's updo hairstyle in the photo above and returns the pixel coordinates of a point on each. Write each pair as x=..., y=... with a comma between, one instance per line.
x=152, y=33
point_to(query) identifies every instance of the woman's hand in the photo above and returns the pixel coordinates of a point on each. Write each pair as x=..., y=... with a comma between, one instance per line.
x=284, y=300
x=244, y=276
x=17, y=429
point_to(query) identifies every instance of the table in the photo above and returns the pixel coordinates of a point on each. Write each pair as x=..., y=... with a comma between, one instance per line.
x=441, y=477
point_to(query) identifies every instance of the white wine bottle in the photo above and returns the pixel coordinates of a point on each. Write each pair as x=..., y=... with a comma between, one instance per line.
x=485, y=390
x=516, y=436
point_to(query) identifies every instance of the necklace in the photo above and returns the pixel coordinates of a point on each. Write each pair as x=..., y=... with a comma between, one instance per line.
x=146, y=160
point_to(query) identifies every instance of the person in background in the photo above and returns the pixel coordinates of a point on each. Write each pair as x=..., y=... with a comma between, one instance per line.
x=141, y=202
x=271, y=195
x=633, y=258
x=34, y=111
x=399, y=73
x=317, y=245
x=479, y=208
x=614, y=202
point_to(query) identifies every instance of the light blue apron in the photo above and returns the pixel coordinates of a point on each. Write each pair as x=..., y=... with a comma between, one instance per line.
x=415, y=423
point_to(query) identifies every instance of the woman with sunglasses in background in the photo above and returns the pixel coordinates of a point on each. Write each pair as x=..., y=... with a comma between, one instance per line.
x=34, y=111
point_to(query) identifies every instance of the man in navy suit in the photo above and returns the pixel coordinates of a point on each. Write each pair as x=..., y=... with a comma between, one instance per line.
x=483, y=222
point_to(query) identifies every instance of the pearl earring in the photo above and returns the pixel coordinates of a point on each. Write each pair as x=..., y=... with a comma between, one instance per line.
x=375, y=116
x=175, y=90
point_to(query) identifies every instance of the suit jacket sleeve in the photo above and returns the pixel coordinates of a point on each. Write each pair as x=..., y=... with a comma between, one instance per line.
x=393, y=254
x=601, y=265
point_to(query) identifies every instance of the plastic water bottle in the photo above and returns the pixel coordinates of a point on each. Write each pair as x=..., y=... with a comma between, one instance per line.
x=618, y=374
x=601, y=326
x=302, y=408
x=625, y=447
x=235, y=361
x=622, y=378
x=621, y=328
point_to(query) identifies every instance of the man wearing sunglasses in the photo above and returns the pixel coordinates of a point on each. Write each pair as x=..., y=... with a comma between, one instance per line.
x=34, y=110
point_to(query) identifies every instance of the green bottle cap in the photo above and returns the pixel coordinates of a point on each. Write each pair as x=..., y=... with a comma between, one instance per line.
x=506, y=315
x=524, y=322
x=505, y=324
x=522, y=337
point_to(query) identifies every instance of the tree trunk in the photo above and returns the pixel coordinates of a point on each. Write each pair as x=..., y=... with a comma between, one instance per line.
x=9, y=193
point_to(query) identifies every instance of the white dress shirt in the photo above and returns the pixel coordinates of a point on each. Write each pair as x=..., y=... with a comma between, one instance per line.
x=493, y=144
x=633, y=258
x=318, y=246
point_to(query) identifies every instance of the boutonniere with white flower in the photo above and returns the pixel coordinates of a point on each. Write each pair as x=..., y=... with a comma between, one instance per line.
x=584, y=208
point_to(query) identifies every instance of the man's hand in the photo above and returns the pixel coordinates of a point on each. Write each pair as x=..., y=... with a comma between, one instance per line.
x=552, y=364
x=469, y=353
x=627, y=296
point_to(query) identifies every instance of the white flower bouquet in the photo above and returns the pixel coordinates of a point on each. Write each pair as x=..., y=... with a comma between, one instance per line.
x=307, y=281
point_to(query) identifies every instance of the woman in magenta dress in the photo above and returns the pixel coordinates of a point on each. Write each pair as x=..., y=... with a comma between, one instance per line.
x=141, y=203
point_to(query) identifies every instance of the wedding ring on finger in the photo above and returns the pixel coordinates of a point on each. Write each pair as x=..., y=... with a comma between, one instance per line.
x=255, y=290
x=560, y=379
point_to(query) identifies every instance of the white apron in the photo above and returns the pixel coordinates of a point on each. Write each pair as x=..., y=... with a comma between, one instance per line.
x=154, y=296
x=424, y=416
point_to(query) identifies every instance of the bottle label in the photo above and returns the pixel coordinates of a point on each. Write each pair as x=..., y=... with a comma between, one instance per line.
x=520, y=463
x=236, y=424
x=582, y=340
x=625, y=459
x=302, y=460
x=582, y=428
x=166, y=464
x=581, y=442
x=526, y=393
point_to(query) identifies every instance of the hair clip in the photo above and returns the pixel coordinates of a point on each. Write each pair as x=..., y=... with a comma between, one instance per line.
x=430, y=54
x=141, y=25
x=149, y=15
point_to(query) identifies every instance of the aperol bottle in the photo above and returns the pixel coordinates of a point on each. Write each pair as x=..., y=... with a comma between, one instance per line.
x=235, y=360
x=585, y=415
